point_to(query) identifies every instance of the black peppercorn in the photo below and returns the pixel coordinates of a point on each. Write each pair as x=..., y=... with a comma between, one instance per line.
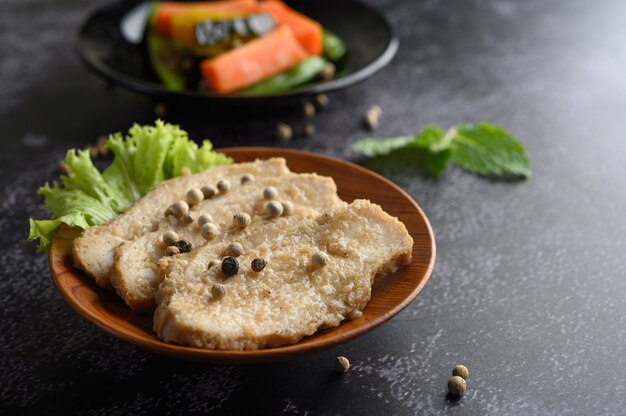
x=258, y=264
x=230, y=266
x=183, y=246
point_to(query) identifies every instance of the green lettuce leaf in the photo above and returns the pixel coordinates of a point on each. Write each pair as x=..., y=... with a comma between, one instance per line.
x=145, y=157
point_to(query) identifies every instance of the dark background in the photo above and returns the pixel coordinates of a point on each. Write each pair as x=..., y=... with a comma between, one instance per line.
x=530, y=280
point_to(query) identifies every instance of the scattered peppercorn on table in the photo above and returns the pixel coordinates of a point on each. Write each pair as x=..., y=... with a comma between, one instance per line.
x=528, y=289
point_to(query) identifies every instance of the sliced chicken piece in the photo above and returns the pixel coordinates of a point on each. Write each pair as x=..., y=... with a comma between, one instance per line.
x=319, y=272
x=94, y=249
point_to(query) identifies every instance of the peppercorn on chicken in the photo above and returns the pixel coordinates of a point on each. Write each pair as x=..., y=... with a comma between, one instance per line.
x=135, y=275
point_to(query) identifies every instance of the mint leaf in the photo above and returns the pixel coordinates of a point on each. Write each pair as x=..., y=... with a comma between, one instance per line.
x=439, y=146
x=489, y=150
x=484, y=149
x=428, y=153
x=413, y=159
x=372, y=147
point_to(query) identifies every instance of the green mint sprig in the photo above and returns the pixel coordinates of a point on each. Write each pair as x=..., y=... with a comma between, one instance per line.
x=484, y=149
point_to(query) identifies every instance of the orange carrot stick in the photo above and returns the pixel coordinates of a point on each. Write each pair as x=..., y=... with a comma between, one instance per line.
x=253, y=62
x=307, y=31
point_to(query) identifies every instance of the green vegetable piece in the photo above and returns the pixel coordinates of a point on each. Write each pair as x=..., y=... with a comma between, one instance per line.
x=296, y=76
x=144, y=158
x=332, y=46
x=159, y=47
x=489, y=150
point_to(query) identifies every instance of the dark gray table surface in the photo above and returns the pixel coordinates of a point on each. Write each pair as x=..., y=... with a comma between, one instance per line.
x=529, y=287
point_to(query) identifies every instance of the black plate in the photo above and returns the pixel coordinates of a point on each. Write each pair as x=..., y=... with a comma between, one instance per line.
x=369, y=37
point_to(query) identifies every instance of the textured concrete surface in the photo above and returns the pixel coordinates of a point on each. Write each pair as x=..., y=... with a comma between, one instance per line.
x=530, y=281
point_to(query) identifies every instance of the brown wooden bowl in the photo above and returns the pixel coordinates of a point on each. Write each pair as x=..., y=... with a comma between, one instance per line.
x=390, y=294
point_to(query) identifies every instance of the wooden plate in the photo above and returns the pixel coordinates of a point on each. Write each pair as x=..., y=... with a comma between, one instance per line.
x=389, y=294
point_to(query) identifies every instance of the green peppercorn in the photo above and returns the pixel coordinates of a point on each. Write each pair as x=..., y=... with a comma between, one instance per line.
x=322, y=101
x=204, y=219
x=320, y=259
x=209, y=230
x=283, y=132
x=287, y=208
x=308, y=109
x=170, y=237
x=328, y=72
x=274, y=209
x=179, y=208
x=457, y=386
x=171, y=251
x=372, y=116
x=218, y=291
x=209, y=191
x=461, y=371
x=234, y=249
x=223, y=186
x=194, y=196
x=270, y=193
x=371, y=121
x=342, y=364
x=247, y=178
x=308, y=130
x=241, y=220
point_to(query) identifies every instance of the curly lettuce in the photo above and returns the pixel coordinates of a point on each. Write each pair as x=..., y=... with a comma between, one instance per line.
x=146, y=156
